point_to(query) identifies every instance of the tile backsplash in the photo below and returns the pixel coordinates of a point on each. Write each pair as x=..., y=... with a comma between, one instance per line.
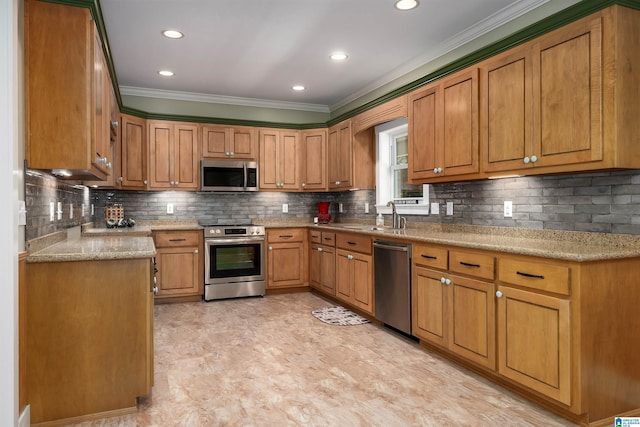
x=601, y=202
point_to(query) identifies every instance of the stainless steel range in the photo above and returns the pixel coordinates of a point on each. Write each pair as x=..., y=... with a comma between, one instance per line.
x=234, y=261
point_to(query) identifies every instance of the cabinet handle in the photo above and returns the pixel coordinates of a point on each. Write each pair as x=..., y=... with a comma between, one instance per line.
x=349, y=257
x=499, y=294
x=533, y=276
x=196, y=252
x=319, y=249
x=428, y=256
x=328, y=238
x=351, y=243
x=155, y=280
x=468, y=264
x=286, y=236
x=155, y=290
x=177, y=240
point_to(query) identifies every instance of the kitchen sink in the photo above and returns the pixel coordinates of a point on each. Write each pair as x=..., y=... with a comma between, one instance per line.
x=365, y=227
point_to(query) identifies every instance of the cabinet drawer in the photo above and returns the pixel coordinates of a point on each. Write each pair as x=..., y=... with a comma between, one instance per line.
x=430, y=257
x=478, y=265
x=354, y=242
x=281, y=235
x=545, y=277
x=168, y=239
x=328, y=238
x=315, y=236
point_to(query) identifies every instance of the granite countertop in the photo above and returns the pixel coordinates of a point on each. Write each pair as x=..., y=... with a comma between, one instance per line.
x=562, y=245
x=96, y=248
x=142, y=228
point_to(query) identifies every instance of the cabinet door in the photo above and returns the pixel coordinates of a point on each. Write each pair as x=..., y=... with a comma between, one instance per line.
x=340, y=155
x=288, y=160
x=507, y=119
x=243, y=143
x=215, y=141
x=315, y=275
x=567, y=82
x=343, y=276
x=424, y=132
x=429, y=306
x=286, y=265
x=328, y=270
x=269, y=178
x=534, y=342
x=472, y=320
x=133, y=154
x=185, y=157
x=102, y=157
x=362, y=278
x=178, y=271
x=314, y=160
x=160, y=154
x=459, y=146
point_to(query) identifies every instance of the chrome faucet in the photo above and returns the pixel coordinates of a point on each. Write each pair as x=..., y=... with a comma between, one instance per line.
x=396, y=220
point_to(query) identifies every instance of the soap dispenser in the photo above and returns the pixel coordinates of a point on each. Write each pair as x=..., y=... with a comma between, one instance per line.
x=379, y=220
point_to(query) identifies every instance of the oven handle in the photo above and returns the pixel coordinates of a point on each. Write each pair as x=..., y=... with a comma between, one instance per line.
x=215, y=242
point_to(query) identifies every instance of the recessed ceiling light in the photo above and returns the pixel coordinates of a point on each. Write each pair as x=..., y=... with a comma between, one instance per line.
x=172, y=34
x=339, y=56
x=166, y=73
x=298, y=87
x=406, y=4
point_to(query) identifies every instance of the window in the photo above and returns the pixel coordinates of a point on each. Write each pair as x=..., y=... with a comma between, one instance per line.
x=392, y=172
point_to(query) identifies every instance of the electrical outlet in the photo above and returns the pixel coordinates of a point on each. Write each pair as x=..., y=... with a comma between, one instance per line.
x=340, y=208
x=285, y=208
x=449, y=208
x=59, y=211
x=83, y=211
x=93, y=211
x=366, y=207
x=169, y=208
x=52, y=212
x=508, y=209
x=435, y=208
x=70, y=210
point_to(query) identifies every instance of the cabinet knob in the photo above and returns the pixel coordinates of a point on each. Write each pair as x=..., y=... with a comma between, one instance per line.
x=338, y=182
x=121, y=179
x=527, y=160
x=499, y=294
x=447, y=282
x=102, y=160
x=155, y=280
x=442, y=280
x=534, y=159
x=109, y=165
x=231, y=153
x=145, y=182
x=270, y=248
x=303, y=185
x=227, y=153
x=349, y=257
x=196, y=252
x=177, y=182
x=155, y=290
x=439, y=170
x=115, y=123
x=319, y=249
x=170, y=182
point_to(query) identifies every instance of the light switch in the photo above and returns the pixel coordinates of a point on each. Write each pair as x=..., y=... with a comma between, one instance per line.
x=52, y=212
x=366, y=207
x=285, y=208
x=70, y=210
x=435, y=208
x=169, y=208
x=449, y=208
x=508, y=209
x=340, y=208
x=59, y=211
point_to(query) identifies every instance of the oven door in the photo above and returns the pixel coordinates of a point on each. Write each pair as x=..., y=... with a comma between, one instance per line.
x=234, y=260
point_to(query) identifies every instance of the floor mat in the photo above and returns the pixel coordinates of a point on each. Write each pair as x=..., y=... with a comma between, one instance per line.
x=336, y=315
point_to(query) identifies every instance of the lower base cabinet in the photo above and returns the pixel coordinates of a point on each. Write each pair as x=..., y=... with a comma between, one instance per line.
x=286, y=258
x=354, y=271
x=89, y=338
x=179, y=261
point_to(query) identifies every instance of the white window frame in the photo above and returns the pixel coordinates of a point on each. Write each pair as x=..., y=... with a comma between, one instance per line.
x=384, y=137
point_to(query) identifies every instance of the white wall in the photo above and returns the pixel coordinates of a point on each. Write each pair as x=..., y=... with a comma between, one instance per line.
x=10, y=173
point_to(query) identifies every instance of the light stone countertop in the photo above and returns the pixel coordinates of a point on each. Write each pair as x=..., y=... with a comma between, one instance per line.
x=142, y=228
x=562, y=245
x=96, y=248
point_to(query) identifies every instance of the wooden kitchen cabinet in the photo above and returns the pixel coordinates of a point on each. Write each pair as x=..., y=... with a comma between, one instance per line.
x=313, y=151
x=393, y=109
x=179, y=259
x=322, y=262
x=133, y=151
x=454, y=311
x=279, y=159
x=340, y=151
x=354, y=271
x=173, y=155
x=64, y=92
x=443, y=128
x=287, y=258
x=89, y=338
x=226, y=142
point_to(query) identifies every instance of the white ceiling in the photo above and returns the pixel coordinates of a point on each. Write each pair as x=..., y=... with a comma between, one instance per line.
x=257, y=49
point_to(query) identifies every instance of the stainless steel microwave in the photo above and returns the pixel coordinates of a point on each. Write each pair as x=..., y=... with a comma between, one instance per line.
x=226, y=175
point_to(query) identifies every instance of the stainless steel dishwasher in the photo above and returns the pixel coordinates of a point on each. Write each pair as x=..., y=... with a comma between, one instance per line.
x=392, y=281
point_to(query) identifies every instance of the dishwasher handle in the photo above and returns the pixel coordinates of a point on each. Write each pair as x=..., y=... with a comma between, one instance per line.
x=384, y=245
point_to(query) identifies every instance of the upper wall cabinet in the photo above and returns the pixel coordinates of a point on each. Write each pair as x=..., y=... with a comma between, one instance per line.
x=390, y=110
x=340, y=153
x=224, y=142
x=279, y=159
x=134, y=158
x=443, y=128
x=313, y=152
x=64, y=72
x=173, y=155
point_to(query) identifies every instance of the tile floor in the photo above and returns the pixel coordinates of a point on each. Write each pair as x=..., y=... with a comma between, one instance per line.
x=268, y=362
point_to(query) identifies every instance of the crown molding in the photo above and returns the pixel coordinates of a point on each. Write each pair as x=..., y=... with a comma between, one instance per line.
x=221, y=99
x=479, y=29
